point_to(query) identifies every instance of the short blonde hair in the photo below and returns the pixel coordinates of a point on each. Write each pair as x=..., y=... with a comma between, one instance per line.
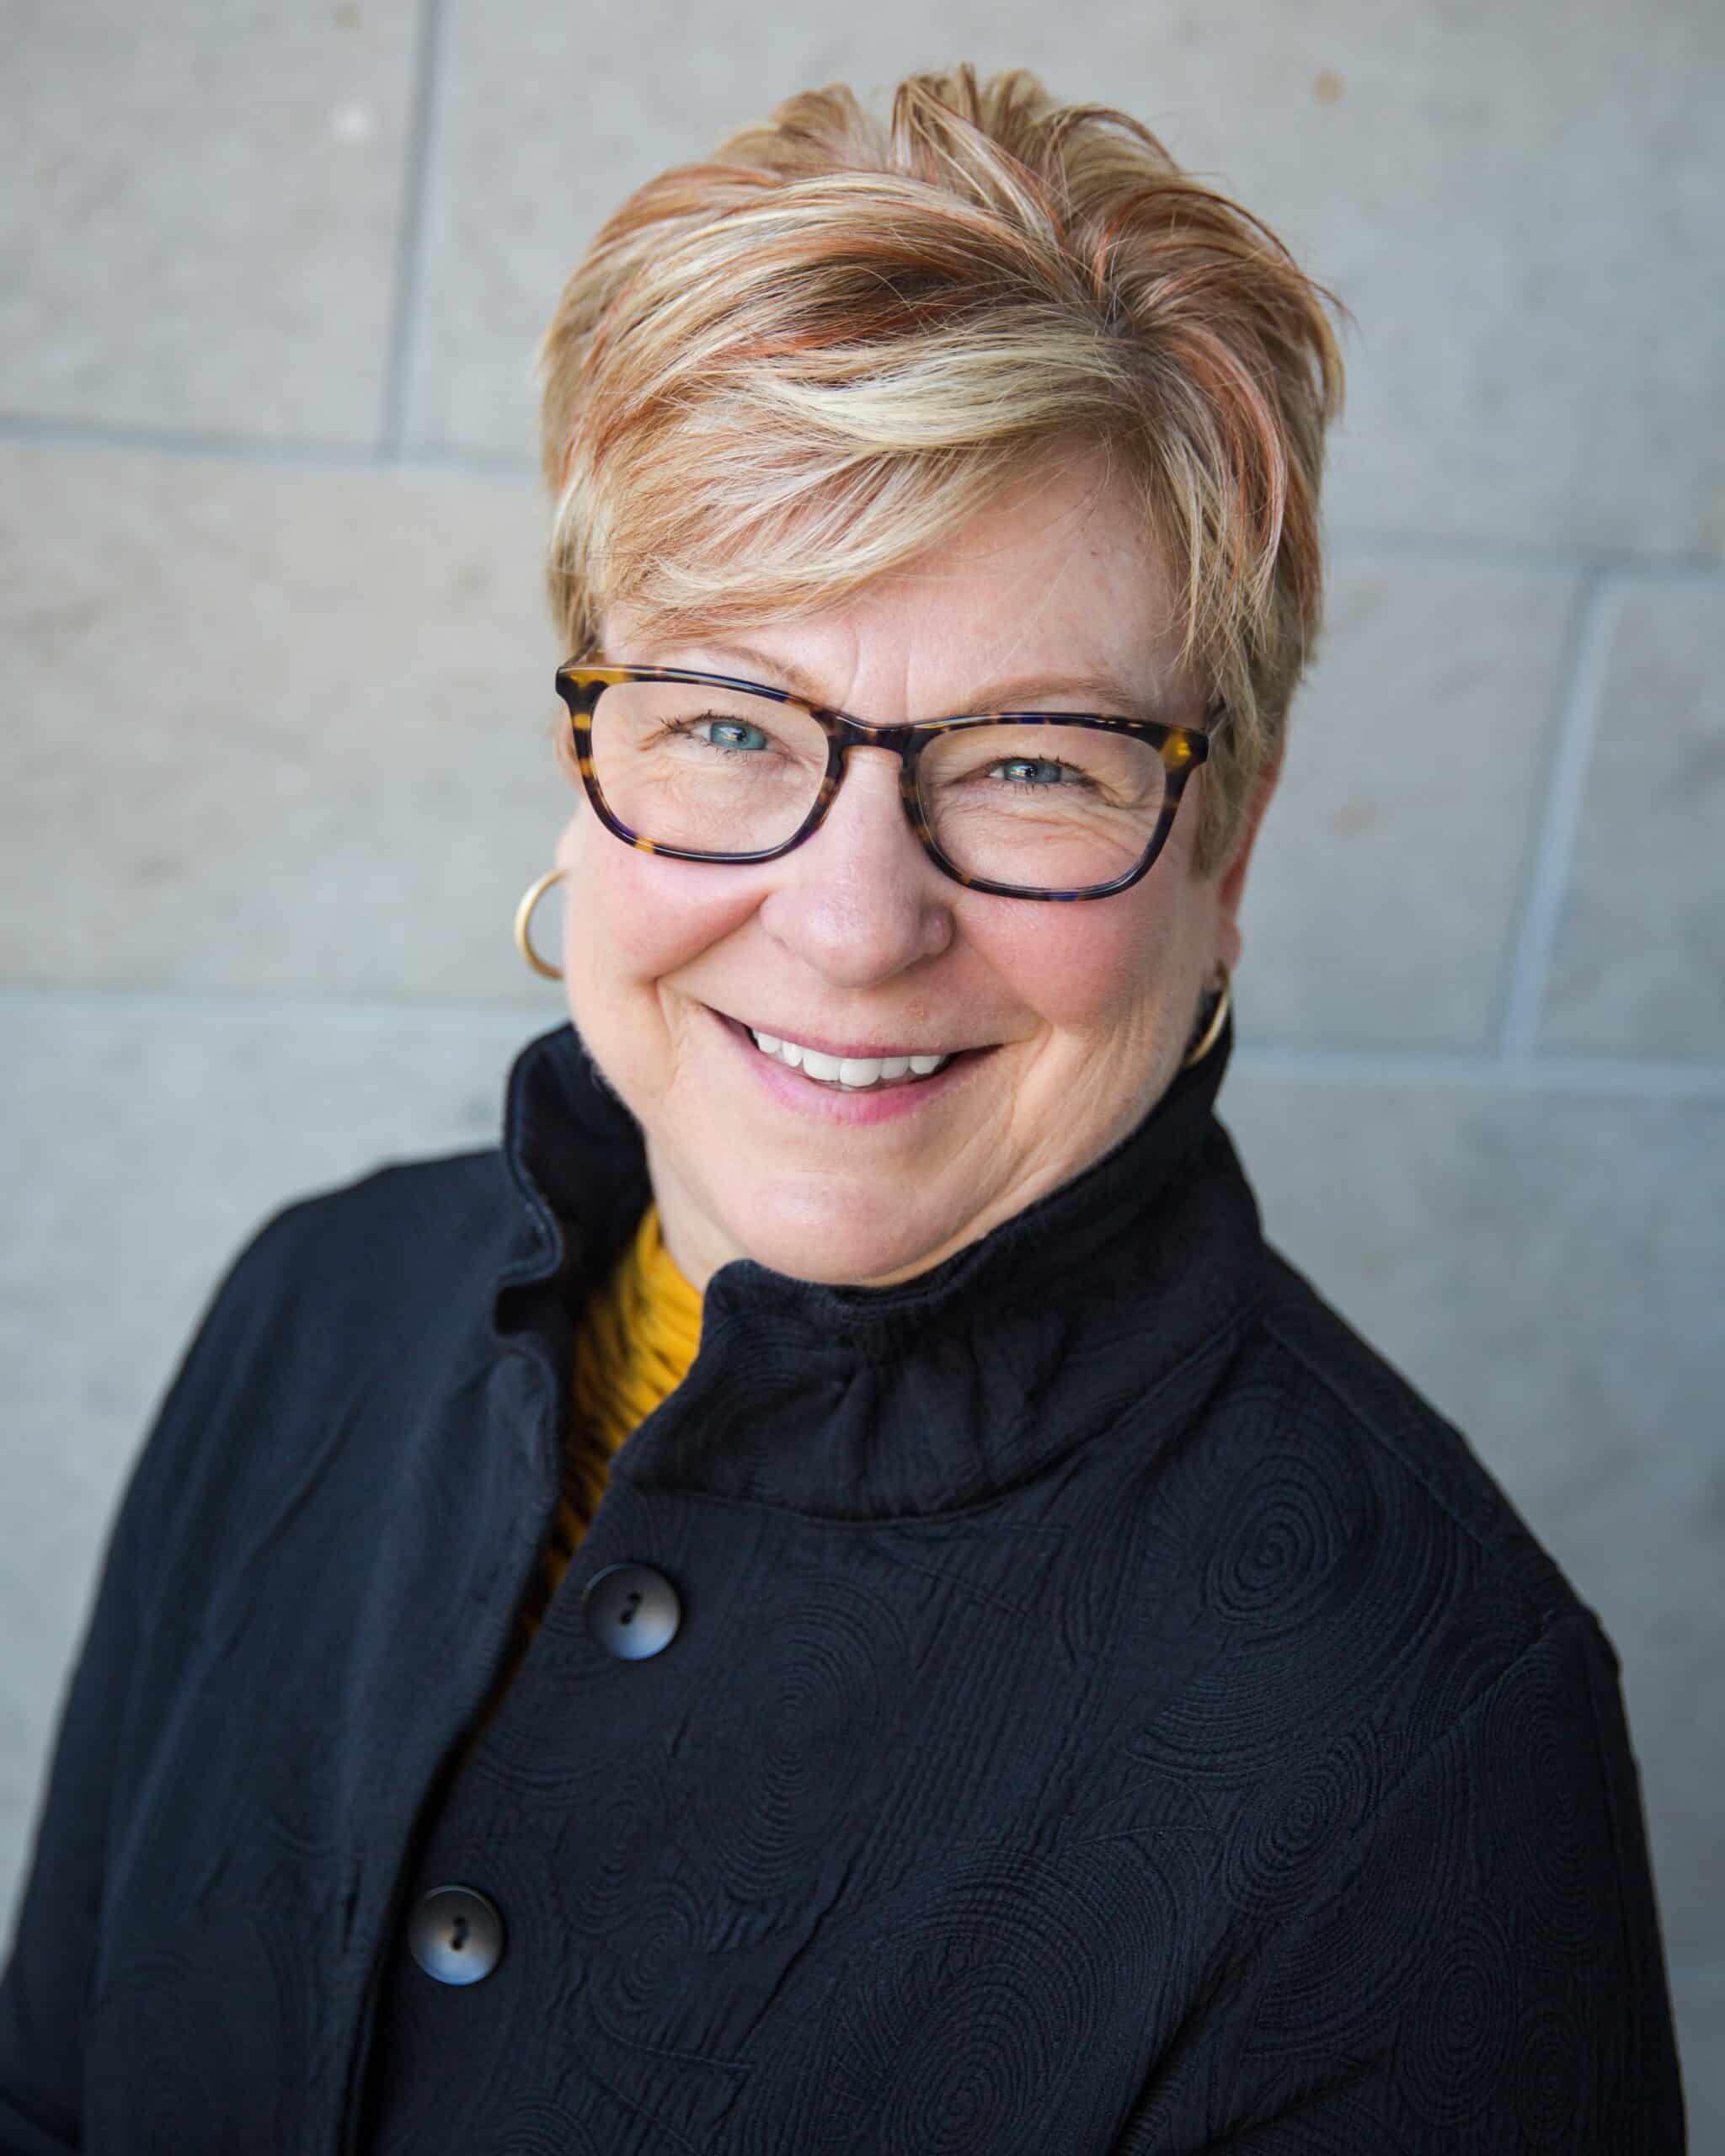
x=809, y=360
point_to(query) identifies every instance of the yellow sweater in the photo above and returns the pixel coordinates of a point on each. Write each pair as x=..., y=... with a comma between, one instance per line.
x=637, y=1340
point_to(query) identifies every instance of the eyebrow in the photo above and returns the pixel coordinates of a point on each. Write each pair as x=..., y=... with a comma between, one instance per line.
x=1018, y=694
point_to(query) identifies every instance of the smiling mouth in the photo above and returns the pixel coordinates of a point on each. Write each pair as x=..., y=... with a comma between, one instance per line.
x=849, y=1074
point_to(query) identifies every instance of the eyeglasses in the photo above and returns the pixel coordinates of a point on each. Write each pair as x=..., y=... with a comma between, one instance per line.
x=1027, y=804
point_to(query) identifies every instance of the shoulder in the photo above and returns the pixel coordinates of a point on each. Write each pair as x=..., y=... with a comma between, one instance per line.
x=1320, y=1558
x=375, y=1294
x=1335, y=1392
x=357, y=1252
x=346, y=1304
x=1293, y=1408
x=1383, y=1722
x=400, y=1205
x=1446, y=1803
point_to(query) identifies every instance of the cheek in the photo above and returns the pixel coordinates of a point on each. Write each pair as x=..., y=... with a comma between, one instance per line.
x=631, y=919
x=1084, y=966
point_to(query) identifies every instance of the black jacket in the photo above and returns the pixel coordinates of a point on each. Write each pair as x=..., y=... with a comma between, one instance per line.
x=1096, y=1706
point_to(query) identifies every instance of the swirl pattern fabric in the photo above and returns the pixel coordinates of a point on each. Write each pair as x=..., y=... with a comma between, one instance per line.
x=1110, y=1714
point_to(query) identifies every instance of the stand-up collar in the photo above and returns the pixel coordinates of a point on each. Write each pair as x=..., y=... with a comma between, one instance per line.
x=874, y=1402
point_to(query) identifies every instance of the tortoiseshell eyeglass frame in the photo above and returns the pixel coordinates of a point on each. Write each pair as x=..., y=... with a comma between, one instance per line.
x=581, y=683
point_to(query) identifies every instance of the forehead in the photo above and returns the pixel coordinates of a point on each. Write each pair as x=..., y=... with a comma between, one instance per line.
x=1062, y=552
x=1056, y=580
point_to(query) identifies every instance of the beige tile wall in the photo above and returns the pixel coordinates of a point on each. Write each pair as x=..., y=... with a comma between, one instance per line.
x=276, y=705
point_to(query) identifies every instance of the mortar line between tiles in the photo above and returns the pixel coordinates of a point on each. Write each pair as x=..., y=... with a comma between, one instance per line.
x=51, y=431
x=85, y=436
x=1469, y=1070
x=1584, y=597
x=1362, y=543
x=410, y=237
x=1609, y=1077
x=1554, y=849
x=48, y=431
x=250, y=1007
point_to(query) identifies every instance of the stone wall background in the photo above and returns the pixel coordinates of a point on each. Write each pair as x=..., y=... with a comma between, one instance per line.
x=277, y=706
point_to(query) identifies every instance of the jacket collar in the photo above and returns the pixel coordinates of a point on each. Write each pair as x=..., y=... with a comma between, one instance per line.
x=862, y=1403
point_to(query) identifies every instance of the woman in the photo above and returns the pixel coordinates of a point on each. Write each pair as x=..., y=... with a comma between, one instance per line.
x=1032, y=1679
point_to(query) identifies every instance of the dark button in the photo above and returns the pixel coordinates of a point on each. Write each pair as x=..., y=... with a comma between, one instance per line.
x=632, y=1611
x=457, y=1936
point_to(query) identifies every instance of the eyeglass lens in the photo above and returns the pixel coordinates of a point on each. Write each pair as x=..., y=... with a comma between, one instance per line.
x=717, y=771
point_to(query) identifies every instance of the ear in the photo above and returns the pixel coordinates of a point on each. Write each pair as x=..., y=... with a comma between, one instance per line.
x=1231, y=876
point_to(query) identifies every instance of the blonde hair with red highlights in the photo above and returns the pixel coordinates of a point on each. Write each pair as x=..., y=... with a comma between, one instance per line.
x=813, y=357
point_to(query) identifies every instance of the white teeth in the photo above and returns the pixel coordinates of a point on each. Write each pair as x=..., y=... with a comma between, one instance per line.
x=857, y=1073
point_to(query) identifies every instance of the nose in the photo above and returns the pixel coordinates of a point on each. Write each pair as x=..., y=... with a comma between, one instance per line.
x=861, y=902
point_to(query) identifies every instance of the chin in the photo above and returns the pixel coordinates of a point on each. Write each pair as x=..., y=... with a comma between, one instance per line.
x=844, y=1237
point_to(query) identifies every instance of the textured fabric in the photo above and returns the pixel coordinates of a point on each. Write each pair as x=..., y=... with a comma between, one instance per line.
x=638, y=1338
x=1110, y=1712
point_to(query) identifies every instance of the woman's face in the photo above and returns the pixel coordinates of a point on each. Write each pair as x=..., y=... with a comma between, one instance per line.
x=1073, y=1017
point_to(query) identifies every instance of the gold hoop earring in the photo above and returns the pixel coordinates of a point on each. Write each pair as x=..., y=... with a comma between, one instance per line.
x=1212, y=1033
x=524, y=919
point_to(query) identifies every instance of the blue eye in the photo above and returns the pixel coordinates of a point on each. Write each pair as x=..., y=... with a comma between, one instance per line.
x=1036, y=771
x=733, y=733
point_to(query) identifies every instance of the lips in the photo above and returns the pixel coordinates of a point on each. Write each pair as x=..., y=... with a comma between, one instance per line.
x=855, y=1074
x=839, y=1050
x=865, y=1091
